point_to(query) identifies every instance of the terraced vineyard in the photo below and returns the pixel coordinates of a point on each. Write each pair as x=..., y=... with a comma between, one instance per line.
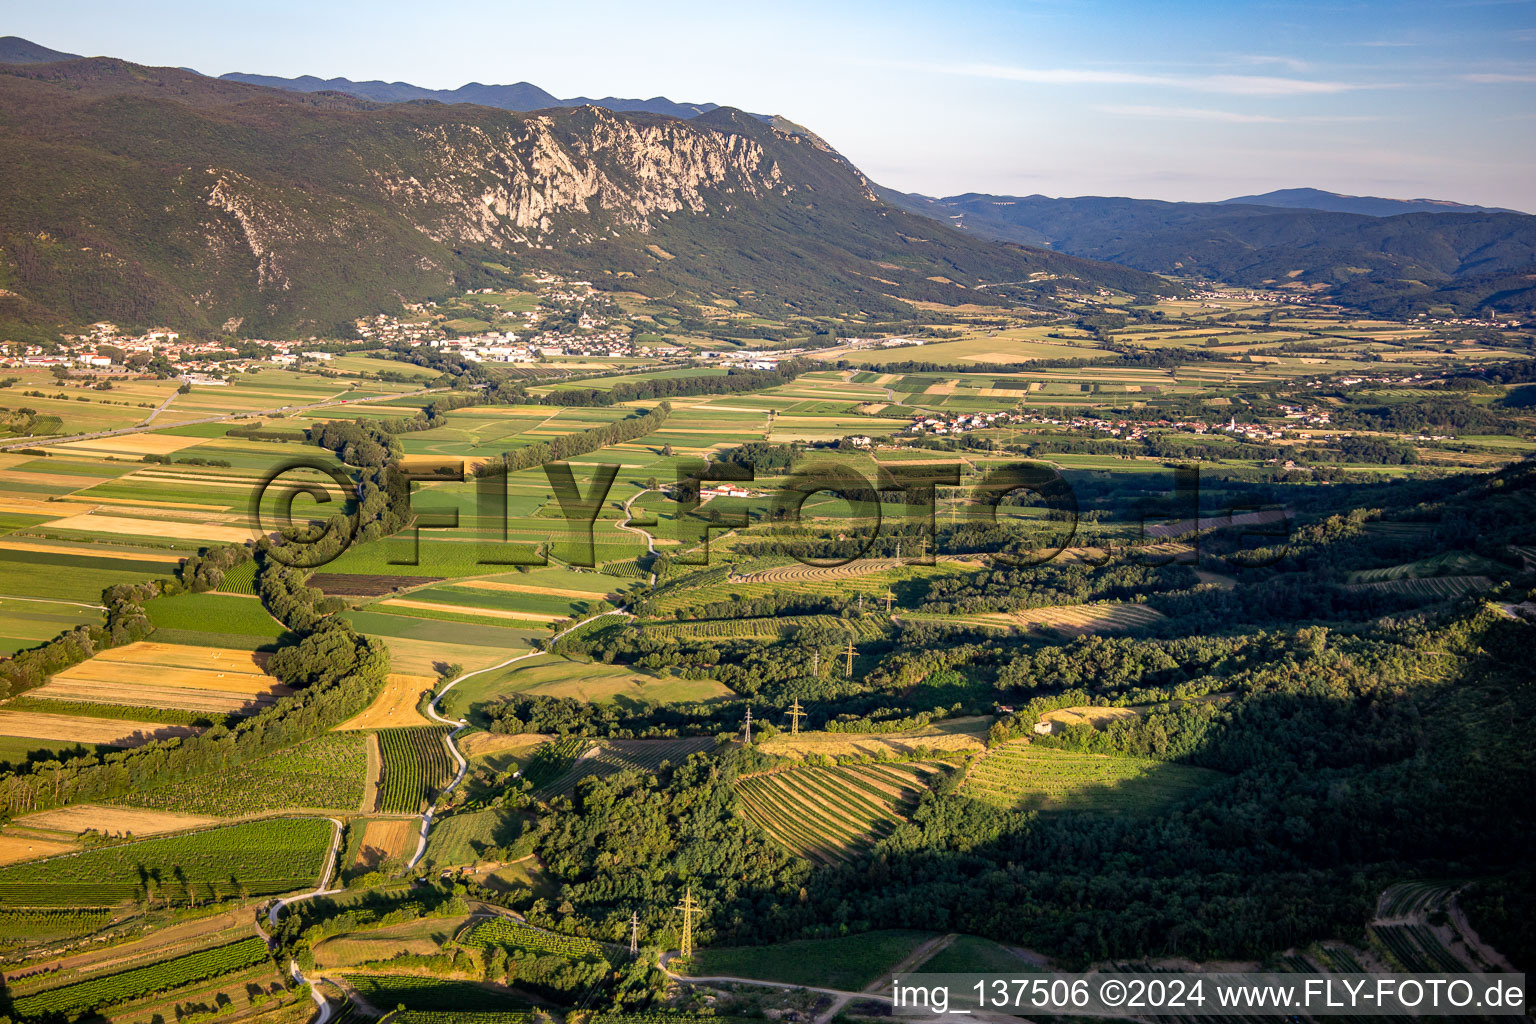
x=257, y=859
x=628, y=755
x=19, y=927
x=504, y=932
x=1415, y=947
x=1024, y=776
x=435, y=1017
x=832, y=814
x=112, y=989
x=1432, y=588
x=416, y=764
x=867, y=628
x=1411, y=899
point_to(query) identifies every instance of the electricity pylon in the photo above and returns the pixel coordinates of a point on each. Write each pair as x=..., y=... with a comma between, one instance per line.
x=689, y=908
x=849, y=670
x=634, y=933
x=795, y=714
x=749, y=723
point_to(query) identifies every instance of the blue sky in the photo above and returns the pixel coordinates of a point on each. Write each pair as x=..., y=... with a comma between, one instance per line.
x=1166, y=100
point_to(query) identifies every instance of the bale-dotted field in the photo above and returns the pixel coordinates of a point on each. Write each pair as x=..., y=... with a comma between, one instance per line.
x=396, y=706
x=832, y=814
x=389, y=840
x=106, y=732
x=138, y=821
x=215, y=680
x=14, y=848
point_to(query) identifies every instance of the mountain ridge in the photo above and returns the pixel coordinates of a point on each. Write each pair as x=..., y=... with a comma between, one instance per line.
x=156, y=195
x=1371, y=206
x=518, y=96
x=1400, y=265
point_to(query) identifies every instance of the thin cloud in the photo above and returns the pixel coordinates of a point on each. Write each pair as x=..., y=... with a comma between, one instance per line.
x=1232, y=85
x=1224, y=116
x=1498, y=78
x=1293, y=64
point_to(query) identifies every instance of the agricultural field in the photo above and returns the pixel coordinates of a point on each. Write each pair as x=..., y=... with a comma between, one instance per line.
x=397, y=706
x=430, y=994
x=504, y=932
x=554, y=676
x=830, y=814
x=1025, y=776
x=948, y=736
x=258, y=858
x=327, y=773
x=99, y=993
x=155, y=674
x=386, y=841
x=465, y=837
x=415, y=766
x=213, y=620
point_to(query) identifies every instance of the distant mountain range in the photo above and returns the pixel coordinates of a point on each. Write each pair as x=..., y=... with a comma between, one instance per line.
x=1468, y=260
x=156, y=195
x=16, y=50
x=1370, y=206
x=522, y=96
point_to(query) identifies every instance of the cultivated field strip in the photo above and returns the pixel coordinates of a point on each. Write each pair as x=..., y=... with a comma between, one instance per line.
x=416, y=765
x=829, y=814
x=867, y=628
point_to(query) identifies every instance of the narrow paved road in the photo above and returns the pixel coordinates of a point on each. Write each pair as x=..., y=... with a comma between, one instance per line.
x=146, y=425
x=321, y=1003
x=650, y=541
x=159, y=409
x=463, y=723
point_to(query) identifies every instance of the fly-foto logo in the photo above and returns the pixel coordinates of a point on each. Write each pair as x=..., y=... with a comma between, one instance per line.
x=1035, y=495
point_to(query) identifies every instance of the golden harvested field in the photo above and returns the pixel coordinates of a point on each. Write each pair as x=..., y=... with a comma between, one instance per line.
x=487, y=613
x=127, y=444
x=77, y=729
x=13, y=544
x=528, y=588
x=39, y=507
x=114, y=820
x=419, y=657
x=17, y=848
x=957, y=734
x=89, y=523
x=1086, y=715
x=387, y=840
x=212, y=679
x=396, y=706
x=489, y=744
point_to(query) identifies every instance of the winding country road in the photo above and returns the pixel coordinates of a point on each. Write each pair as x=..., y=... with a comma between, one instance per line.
x=650, y=541
x=463, y=723
x=322, y=889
